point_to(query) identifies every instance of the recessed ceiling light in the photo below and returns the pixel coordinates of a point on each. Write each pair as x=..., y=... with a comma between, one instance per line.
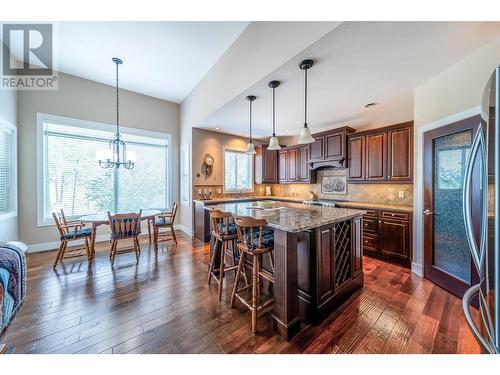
x=217, y=128
x=369, y=105
x=286, y=130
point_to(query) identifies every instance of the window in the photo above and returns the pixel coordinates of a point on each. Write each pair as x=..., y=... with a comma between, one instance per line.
x=238, y=170
x=8, y=189
x=185, y=194
x=71, y=178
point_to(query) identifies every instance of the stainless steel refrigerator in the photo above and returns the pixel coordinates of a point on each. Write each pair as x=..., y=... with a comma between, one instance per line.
x=483, y=230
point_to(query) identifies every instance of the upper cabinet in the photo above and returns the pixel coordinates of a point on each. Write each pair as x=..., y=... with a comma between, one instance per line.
x=382, y=155
x=293, y=166
x=266, y=165
x=329, y=149
x=400, y=154
x=376, y=156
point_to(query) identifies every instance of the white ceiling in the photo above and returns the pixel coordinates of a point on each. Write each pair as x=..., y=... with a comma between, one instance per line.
x=355, y=64
x=161, y=59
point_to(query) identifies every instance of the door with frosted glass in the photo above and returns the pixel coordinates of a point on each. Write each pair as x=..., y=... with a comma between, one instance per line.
x=447, y=260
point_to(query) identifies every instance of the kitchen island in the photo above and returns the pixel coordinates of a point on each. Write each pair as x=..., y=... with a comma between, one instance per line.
x=317, y=258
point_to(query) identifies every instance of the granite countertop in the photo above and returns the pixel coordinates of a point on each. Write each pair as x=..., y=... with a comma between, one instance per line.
x=346, y=204
x=375, y=206
x=287, y=216
x=252, y=198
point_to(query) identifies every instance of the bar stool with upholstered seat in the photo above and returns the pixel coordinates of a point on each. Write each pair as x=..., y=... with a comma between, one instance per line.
x=224, y=234
x=256, y=240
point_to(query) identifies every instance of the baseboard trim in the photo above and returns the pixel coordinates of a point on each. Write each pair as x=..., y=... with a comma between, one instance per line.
x=417, y=269
x=48, y=246
x=184, y=229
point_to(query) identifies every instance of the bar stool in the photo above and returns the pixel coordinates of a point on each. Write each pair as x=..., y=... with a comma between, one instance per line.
x=224, y=234
x=256, y=241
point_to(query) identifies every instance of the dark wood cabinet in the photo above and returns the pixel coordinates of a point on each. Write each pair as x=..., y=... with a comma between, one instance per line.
x=291, y=173
x=400, y=151
x=266, y=165
x=394, y=238
x=330, y=267
x=357, y=245
x=334, y=146
x=356, y=157
x=329, y=148
x=293, y=165
x=317, y=148
x=387, y=235
x=283, y=165
x=376, y=156
x=381, y=155
x=324, y=263
x=303, y=172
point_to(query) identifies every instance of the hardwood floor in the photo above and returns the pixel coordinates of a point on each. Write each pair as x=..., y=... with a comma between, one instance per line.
x=163, y=305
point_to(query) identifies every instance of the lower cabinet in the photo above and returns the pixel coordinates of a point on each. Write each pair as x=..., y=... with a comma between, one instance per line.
x=388, y=235
x=330, y=267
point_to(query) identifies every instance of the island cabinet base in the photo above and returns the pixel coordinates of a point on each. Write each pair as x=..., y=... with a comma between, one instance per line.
x=329, y=268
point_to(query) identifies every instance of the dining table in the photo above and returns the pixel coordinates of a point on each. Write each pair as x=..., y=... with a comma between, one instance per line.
x=101, y=218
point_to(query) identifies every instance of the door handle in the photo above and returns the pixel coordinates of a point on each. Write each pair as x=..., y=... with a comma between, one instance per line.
x=477, y=252
x=427, y=212
x=471, y=292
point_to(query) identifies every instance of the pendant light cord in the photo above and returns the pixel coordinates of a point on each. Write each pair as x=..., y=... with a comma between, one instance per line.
x=117, y=105
x=250, y=140
x=274, y=112
x=305, y=98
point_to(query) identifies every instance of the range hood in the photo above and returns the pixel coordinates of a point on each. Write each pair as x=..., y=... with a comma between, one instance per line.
x=314, y=165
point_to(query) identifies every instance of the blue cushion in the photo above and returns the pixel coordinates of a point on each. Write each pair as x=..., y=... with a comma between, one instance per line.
x=227, y=229
x=267, y=237
x=163, y=221
x=79, y=233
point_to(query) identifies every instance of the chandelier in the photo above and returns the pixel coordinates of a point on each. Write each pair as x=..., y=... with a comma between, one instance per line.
x=116, y=154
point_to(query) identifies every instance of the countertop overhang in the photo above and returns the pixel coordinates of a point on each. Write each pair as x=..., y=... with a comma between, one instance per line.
x=287, y=216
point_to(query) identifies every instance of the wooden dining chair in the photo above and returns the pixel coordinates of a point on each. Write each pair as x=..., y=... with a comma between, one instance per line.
x=164, y=220
x=125, y=226
x=71, y=231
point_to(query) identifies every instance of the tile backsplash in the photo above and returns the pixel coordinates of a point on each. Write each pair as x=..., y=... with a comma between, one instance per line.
x=372, y=193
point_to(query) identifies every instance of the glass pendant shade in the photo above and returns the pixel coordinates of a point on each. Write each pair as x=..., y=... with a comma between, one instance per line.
x=274, y=143
x=305, y=136
x=250, y=149
x=305, y=133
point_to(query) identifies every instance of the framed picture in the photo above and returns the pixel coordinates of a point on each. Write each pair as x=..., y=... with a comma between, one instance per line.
x=334, y=185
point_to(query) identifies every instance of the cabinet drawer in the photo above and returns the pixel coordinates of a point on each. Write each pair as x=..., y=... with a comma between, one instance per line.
x=394, y=215
x=370, y=224
x=371, y=213
x=370, y=242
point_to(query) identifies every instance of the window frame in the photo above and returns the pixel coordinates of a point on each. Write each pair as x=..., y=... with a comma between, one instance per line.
x=41, y=118
x=12, y=129
x=252, y=167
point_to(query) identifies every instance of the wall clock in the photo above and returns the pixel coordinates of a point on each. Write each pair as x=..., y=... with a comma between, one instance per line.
x=208, y=160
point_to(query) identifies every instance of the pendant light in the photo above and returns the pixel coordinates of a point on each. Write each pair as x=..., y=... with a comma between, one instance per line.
x=116, y=154
x=250, y=148
x=305, y=133
x=273, y=142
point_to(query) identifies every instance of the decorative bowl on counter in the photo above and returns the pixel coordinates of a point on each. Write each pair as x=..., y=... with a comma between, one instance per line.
x=266, y=204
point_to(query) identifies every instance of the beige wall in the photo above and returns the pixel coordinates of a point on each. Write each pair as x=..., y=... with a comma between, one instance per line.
x=86, y=100
x=8, y=112
x=452, y=95
x=213, y=143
